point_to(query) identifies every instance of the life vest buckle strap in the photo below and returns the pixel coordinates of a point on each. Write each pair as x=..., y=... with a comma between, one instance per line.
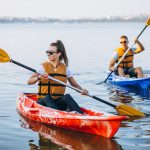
x=57, y=74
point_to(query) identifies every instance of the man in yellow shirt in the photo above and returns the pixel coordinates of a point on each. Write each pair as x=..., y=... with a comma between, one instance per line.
x=125, y=68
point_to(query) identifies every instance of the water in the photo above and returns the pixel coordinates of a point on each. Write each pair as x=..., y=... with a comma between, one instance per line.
x=89, y=47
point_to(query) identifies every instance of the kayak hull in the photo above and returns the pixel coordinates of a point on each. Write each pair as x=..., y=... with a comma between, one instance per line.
x=143, y=83
x=98, y=123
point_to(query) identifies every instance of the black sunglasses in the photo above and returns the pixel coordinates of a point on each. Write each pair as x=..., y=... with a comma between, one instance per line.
x=50, y=52
x=123, y=42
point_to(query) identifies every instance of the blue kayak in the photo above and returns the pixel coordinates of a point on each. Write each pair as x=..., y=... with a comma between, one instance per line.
x=133, y=82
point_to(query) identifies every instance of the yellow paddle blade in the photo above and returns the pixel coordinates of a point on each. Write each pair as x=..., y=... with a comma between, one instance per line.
x=128, y=110
x=148, y=22
x=4, y=57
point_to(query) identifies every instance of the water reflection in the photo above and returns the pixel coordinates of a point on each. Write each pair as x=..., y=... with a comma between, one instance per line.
x=119, y=95
x=124, y=94
x=52, y=138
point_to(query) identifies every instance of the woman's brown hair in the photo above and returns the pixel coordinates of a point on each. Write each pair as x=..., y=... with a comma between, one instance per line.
x=61, y=48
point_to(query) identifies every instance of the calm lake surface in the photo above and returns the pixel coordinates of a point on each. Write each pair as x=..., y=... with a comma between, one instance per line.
x=89, y=47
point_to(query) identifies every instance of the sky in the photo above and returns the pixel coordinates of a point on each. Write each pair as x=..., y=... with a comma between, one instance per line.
x=73, y=8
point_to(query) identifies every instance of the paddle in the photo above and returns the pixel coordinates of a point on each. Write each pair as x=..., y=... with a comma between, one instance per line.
x=116, y=65
x=121, y=109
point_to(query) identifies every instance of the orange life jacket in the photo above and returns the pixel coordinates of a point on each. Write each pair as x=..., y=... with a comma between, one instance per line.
x=127, y=62
x=46, y=86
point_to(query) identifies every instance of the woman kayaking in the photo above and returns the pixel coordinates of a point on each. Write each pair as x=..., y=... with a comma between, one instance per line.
x=51, y=93
x=125, y=68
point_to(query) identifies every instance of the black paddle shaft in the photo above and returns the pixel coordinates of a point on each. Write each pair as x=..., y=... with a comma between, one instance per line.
x=108, y=76
x=17, y=63
x=104, y=101
x=142, y=31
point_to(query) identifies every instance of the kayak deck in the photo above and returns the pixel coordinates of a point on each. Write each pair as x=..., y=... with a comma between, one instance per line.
x=100, y=123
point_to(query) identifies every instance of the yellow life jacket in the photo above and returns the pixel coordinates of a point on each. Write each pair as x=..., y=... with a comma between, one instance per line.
x=127, y=62
x=46, y=86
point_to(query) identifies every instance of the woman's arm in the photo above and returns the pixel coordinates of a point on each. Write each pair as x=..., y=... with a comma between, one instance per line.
x=33, y=79
x=36, y=77
x=74, y=83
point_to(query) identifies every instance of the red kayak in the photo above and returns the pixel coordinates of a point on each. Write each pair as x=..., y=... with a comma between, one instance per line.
x=99, y=123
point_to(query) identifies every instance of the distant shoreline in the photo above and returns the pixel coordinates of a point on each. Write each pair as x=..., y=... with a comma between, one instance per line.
x=79, y=20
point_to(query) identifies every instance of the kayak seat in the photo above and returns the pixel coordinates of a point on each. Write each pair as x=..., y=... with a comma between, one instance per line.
x=33, y=96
